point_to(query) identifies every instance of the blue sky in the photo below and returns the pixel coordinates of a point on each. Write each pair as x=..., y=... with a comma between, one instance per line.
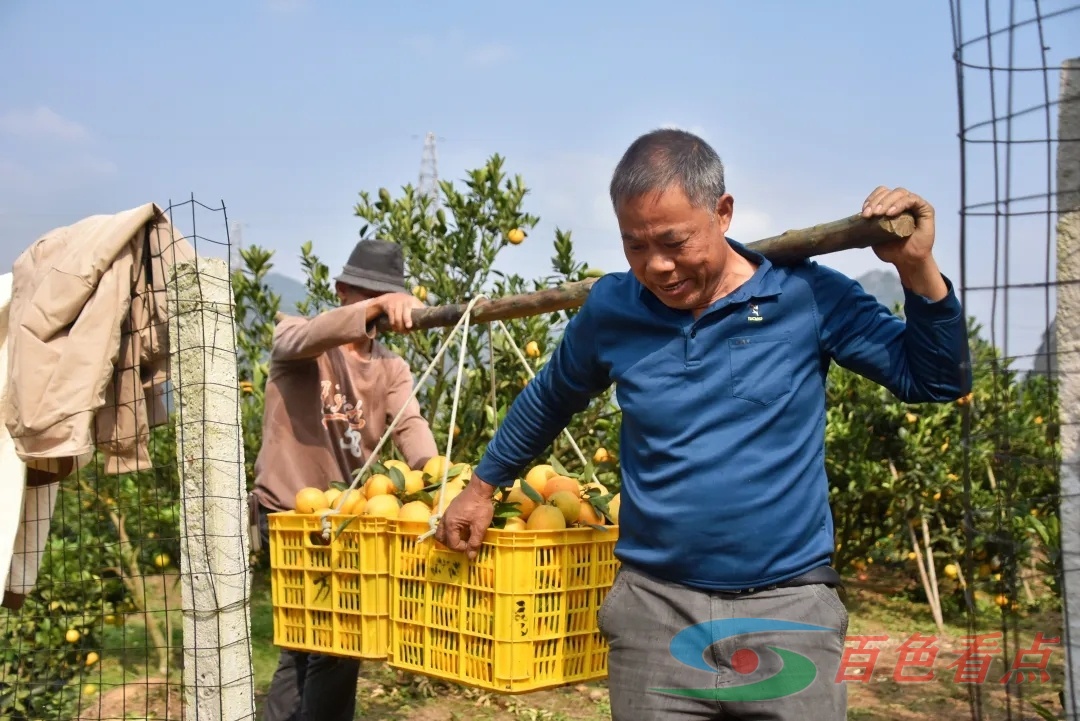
x=286, y=109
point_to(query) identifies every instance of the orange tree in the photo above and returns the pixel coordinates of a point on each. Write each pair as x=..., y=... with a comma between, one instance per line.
x=108, y=535
x=450, y=258
x=962, y=496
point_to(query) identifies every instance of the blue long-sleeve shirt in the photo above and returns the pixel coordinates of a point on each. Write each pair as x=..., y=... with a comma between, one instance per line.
x=723, y=417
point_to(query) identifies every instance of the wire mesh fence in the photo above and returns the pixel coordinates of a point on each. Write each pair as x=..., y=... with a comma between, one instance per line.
x=115, y=604
x=1017, y=133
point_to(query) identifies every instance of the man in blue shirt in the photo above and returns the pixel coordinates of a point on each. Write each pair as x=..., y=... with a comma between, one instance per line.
x=725, y=605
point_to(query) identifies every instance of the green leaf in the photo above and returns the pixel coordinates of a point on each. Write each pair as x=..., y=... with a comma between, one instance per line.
x=457, y=470
x=531, y=493
x=398, y=478
x=554, y=463
x=504, y=509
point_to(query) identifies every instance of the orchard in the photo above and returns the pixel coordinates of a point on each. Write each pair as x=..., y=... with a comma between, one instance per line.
x=957, y=501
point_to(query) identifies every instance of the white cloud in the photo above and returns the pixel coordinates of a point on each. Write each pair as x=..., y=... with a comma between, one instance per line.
x=41, y=122
x=487, y=55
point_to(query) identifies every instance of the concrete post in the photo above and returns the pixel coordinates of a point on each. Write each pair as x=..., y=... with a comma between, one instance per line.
x=216, y=583
x=1068, y=365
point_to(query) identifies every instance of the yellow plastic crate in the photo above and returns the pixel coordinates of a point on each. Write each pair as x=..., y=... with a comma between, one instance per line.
x=520, y=617
x=331, y=597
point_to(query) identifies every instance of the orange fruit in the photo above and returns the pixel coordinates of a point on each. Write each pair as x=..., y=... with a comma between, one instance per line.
x=379, y=485
x=451, y=489
x=415, y=512
x=353, y=503
x=538, y=476
x=435, y=467
x=383, y=506
x=514, y=524
x=414, y=481
x=515, y=236
x=613, y=509
x=546, y=518
x=525, y=505
x=589, y=515
x=568, y=504
x=556, y=484
x=310, y=500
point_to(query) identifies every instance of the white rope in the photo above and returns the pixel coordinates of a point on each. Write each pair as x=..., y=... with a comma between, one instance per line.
x=433, y=521
x=463, y=326
x=393, y=424
x=529, y=370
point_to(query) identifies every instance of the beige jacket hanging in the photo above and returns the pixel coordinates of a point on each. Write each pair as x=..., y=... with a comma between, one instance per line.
x=88, y=342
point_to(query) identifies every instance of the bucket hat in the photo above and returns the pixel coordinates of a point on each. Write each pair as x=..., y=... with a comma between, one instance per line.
x=375, y=265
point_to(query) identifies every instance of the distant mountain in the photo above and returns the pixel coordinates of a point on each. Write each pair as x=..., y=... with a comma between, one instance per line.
x=291, y=291
x=1046, y=356
x=884, y=285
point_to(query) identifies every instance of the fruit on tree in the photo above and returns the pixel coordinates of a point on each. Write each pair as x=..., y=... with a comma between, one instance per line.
x=162, y=560
x=601, y=456
x=568, y=503
x=546, y=518
x=515, y=236
x=420, y=292
x=92, y=658
x=532, y=349
x=72, y=635
x=310, y=500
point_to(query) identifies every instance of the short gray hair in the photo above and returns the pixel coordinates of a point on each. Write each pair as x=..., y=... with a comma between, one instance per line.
x=667, y=157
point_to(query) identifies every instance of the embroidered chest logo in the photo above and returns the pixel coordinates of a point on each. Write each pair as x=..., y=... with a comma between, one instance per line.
x=336, y=407
x=755, y=315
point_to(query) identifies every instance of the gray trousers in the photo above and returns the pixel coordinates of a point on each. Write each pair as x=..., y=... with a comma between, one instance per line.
x=681, y=653
x=309, y=687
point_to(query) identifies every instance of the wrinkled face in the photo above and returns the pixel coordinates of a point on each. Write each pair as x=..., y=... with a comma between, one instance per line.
x=349, y=294
x=674, y=249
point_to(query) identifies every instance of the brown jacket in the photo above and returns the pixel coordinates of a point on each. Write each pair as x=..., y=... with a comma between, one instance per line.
x=87, y=361
x=88, y=345
x=328, y=404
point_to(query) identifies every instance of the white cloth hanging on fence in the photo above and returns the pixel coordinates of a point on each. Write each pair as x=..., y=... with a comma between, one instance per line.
x=12, y=469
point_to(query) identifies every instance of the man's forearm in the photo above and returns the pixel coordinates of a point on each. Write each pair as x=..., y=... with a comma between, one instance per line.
x=923, y=278
x=298, y=338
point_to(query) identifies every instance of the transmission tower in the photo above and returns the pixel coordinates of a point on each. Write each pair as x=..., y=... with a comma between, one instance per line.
x=429, y=173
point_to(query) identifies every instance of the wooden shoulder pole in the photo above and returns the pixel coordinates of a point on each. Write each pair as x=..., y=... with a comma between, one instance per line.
x=789, y=247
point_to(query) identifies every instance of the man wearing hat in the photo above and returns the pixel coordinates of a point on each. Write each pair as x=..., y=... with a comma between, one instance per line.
x=332, y=391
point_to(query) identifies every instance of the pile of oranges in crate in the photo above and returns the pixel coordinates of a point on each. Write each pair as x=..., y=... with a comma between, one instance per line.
x=519, y=617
